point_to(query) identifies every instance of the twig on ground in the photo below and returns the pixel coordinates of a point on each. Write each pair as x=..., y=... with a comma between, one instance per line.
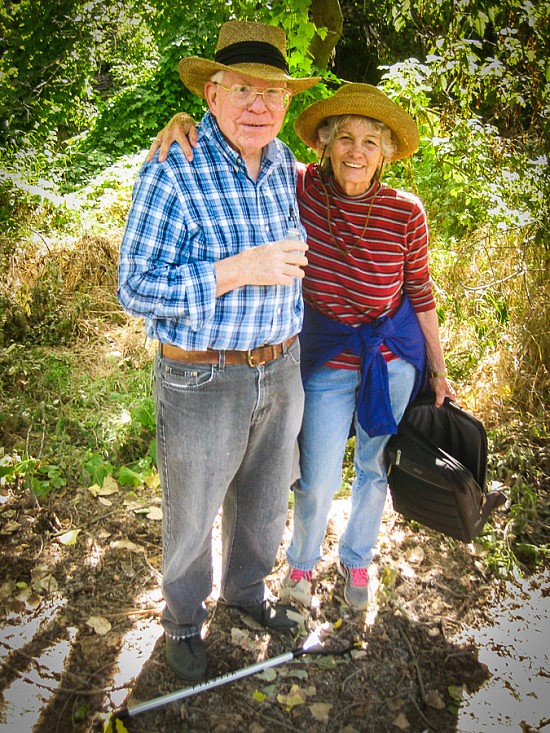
x=84, y=526
x=349, y=677
x=419, y=711
x=417, y=668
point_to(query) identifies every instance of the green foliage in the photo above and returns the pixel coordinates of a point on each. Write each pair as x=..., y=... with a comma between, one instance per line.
x=516, y=463
x=488, y=58
x=467, y=175
x=50, y=85
x=60, y=425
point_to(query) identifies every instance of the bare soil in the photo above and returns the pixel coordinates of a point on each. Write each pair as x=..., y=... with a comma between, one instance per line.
x=405, y=673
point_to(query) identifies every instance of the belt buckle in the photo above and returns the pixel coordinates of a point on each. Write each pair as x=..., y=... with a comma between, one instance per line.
x=250, y=359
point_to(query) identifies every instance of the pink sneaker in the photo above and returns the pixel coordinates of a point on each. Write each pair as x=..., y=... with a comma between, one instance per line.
x=357, y=591
x=298, y=575
x=296, y=586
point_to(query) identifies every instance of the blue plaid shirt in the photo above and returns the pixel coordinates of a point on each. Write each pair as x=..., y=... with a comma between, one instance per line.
x=186, y=216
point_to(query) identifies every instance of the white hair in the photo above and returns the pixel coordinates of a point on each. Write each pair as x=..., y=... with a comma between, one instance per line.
x=329, y=129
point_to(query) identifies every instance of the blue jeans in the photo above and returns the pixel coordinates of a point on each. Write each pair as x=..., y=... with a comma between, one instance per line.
x=225, y=437
x=330, y=398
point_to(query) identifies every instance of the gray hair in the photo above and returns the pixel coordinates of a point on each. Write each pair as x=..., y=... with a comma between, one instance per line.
x=330, y=127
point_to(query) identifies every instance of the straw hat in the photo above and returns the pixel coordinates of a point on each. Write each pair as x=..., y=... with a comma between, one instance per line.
x=365, y=100
x=254, y=49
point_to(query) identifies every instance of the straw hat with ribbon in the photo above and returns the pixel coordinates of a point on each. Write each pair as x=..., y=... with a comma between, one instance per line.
x=254, y=49
x=364, y=100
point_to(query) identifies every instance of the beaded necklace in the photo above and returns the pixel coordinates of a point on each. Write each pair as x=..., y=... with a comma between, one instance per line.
x=343, y=249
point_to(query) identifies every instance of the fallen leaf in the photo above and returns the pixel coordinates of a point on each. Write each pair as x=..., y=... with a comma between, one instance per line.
x=457, y=693
x=46, y=583
x=268, y=675
x=94, y=489
x=389, y=577
x=301, y=592
x=126, y=545
x=104, y=502
x=434, y=700
x=301, y=674
x=416, y=555
x=401, y=722
x=7, y=589
x=109, y=487
x=114, y=725
x=325, y=661
x=300, y=620
x=152, y=481
x=155, y=514
x=69, y=538
x=99, y=624
x=320, y=711
x=10, y=527
x=258, y=696
x=296, y=696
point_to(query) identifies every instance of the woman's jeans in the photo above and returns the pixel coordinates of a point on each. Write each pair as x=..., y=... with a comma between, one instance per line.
x=330, y=400
x=225, y=437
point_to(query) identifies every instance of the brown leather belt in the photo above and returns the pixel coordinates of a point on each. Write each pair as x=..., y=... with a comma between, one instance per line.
x=252, y=357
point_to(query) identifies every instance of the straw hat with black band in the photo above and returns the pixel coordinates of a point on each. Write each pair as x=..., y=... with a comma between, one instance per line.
x=364, y=100
x=253, y=49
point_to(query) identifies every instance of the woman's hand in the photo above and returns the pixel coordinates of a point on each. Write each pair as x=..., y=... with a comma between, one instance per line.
x=442, y=389
x=181, y=129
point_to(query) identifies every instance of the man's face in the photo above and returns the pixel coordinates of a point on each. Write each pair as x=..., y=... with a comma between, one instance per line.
x=246, y=129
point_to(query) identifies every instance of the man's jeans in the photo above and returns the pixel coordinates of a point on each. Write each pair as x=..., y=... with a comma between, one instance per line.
x=330, y=400
x=225, y=437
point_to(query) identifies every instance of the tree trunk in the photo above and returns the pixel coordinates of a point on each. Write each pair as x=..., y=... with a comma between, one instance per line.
x=325, y=14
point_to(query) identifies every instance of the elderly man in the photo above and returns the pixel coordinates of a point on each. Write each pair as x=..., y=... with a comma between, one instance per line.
x=206, y=261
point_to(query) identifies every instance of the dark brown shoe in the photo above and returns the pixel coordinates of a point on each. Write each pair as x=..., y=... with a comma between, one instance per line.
x=271, y=615
x=187, y=657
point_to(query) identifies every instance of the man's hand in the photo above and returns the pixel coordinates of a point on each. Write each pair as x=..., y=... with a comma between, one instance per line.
x=181, y=129
x=274, y=263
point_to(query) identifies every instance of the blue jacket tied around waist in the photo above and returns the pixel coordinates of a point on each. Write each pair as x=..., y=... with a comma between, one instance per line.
x=323, y=338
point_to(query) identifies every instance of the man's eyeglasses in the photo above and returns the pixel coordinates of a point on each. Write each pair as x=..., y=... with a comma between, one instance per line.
x=245, y=96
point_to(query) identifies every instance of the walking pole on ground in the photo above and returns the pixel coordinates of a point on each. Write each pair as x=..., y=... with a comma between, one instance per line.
x=312, y=645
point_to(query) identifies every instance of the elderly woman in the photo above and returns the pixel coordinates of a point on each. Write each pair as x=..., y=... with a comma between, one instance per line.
x=370, y=325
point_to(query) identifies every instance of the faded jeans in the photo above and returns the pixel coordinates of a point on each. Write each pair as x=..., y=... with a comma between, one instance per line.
x=225, y=437
x=330, y=400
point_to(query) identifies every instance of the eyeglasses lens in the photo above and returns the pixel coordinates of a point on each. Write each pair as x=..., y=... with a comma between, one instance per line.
x=244, y=96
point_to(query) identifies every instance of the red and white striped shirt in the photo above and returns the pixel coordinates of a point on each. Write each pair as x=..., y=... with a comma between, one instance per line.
x=356, y=275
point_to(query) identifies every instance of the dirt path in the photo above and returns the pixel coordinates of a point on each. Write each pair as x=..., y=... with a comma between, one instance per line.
x=80, y=602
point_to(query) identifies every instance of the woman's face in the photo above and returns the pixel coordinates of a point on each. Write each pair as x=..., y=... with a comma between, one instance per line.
x=355, y=155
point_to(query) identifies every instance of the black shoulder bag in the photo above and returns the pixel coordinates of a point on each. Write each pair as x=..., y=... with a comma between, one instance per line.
x=436, y=465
